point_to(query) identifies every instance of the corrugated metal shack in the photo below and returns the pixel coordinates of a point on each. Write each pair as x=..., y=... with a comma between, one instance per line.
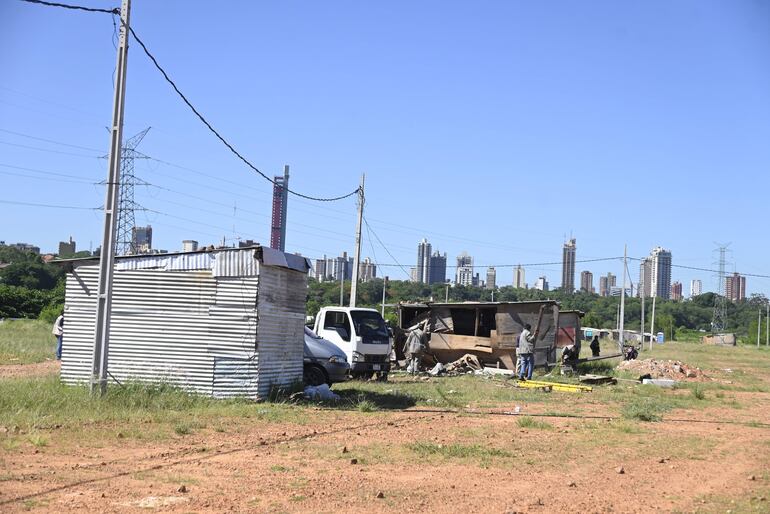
x=569, y=328
x=488, y=330
x=223, y=323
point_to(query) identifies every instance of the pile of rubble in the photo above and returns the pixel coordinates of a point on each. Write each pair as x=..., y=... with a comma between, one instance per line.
x=675, y=370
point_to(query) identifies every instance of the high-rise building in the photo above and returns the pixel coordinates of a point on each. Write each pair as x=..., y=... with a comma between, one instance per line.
x=661, y=272
x=246, y=243
x=437, y=268
x=491, y=278
x=413, y=276
x=587, y=281
x=189, y=245
x=464, y=273
x=319, y=269
x=423, y=261
x=368, y=270
x=696, y=287
x=518, y=277
x=542, y=283
x=141, y=239
x=645, y=278
x=280, y=201
x=606, y=283
x=676, y=290
x=67, y=248
x=568, y=266
x=735, y=287
x=339, y=268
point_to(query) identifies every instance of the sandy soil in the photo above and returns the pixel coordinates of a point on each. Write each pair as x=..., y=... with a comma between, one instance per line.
x=364, y=462
x=29, y=370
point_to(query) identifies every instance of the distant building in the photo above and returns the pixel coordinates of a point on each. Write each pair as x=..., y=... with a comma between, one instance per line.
x=645, y=278
x=67, y=248
x=587, y=281
x=368, y=270
x=26, y=247
x=676, y=291
x=189, y=245
x=437, y=268
x=319, y=270
x=464, y=271
x=542, y=283
x=280, y=201
x=518, y=277
x=568, y=266
x=340, y=268
x=141, y=240
x=615, y=291
x=606, y=283
x=423, y=261
x=247, y=243
x=696, y=287
x=735, y=287
x=661, y=272
x=491, y=278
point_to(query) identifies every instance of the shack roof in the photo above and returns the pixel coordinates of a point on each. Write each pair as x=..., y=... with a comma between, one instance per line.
x=199, y=259
x=474, y=304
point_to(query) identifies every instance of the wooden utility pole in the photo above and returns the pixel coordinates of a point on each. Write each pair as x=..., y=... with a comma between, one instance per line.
x=107, y=258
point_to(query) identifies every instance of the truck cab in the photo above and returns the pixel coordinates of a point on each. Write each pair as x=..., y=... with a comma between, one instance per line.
x=361, y=334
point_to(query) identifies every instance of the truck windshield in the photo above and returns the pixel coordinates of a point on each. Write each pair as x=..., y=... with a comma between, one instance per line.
x=369, y=324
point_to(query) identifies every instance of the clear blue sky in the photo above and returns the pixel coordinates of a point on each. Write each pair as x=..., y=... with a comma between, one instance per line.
x=493, y=127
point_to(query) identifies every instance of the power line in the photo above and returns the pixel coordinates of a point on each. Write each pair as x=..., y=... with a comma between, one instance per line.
x=219, y=136
x=74, y=7
x=52, y=206
x=50, y=140
x=386, y=249
x=48, y=149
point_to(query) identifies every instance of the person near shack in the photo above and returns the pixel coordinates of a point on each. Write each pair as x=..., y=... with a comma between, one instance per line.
x=595, y=346
x=58, y=331
x=526, y=352
x=415, y=346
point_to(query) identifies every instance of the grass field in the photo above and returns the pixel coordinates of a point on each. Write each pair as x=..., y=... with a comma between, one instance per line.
x=413, y=437
x=26, y=342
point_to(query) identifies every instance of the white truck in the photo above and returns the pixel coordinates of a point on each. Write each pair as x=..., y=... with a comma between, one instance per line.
x=361, y=334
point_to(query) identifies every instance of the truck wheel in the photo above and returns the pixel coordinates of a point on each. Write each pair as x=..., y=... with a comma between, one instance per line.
x=314, y=376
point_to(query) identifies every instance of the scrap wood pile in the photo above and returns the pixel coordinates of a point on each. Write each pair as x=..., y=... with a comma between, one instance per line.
x=675, y=370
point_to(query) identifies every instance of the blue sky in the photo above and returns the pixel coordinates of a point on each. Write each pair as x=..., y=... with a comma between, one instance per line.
x=499, y=128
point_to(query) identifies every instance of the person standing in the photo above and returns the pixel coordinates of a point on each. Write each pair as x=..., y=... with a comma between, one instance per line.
x=526, y=352
x=58, y=331
x=595, y=346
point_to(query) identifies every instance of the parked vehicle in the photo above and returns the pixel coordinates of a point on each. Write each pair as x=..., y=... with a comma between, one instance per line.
x=361, y=334
x=325, y=362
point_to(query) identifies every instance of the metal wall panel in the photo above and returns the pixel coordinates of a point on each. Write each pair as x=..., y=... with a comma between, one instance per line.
x=192, y=328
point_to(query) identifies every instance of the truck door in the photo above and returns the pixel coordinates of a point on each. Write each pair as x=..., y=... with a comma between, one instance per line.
x=336, y=328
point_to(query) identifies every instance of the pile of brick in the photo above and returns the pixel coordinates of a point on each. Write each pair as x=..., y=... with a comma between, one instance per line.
x=675, y=370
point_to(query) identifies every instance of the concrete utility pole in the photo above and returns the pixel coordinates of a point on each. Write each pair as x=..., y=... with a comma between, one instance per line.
x=107, y=259
x=640, y=287
x=622, y=315
x=356, y=262
x=384, y=286
x=446, y=294
x=767, y=326
x=652, y=322
x=759, y=325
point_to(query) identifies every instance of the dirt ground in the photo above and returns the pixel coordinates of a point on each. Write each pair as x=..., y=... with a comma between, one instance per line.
x=415, y=460
x=29, y=370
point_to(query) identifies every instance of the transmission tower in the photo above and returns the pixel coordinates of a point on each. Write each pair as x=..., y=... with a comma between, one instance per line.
x=719, y=322
x=126, y=204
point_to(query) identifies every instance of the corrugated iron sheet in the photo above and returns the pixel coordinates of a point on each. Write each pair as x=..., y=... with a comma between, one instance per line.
x=196, y=329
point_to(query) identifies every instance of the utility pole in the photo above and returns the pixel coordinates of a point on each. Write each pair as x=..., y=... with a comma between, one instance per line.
x=342, y=287
x=384, y=286
x=354, y=282
x=446, y=294
x=622, y=315
x=107, y=258
x=767, y=326
x=759, y=325
x=652, y=322
x=640, y=287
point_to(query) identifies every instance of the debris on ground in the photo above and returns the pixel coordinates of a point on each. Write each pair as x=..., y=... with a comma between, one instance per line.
x=660, y=382
x=653, y=368
x=321, y=392
x=597, y=379
x=466, y=364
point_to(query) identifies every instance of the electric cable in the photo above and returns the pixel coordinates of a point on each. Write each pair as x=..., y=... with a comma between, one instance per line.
x=386, y=249
x=74, y=7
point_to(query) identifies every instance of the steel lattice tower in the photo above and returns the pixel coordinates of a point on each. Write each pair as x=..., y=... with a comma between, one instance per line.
x=126, y=204
x=719, y=321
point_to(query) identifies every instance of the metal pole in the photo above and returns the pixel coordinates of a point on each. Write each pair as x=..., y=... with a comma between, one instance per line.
x=354, y=280
x=342, y=287
x=641, y=296
x=107, y=259
x=767, y=326
x=446, y=295
x=622, y=315
x=652, y=322
x=384, y=286
x=759, y=325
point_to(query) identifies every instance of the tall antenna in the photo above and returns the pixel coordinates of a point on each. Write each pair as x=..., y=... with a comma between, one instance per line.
x=719, y=321
x=126, y=205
